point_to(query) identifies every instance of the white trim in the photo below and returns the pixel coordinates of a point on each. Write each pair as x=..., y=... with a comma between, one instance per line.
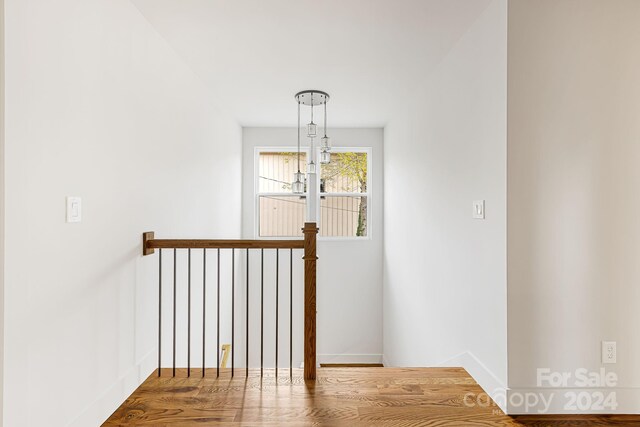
x=349, y=358
x=256, y=187
x=101, y=408
x=486, y=379
x=344, y=194
x=628, y=399
x=386, y=362
x=281, y=195
x=288, y=149
x=368, y=195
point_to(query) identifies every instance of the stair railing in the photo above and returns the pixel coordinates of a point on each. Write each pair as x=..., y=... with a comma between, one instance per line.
x=308, y=244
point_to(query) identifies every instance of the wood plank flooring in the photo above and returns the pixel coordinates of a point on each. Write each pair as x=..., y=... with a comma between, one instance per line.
x=354, y=397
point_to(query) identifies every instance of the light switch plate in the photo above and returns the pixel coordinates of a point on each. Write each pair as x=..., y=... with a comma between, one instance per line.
x=478, y=209
x=74, y=209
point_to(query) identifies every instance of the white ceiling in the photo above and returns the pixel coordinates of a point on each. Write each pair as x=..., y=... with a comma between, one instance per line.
x=254, y=55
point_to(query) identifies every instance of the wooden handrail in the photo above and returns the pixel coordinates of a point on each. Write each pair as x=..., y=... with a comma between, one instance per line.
x=150, y=243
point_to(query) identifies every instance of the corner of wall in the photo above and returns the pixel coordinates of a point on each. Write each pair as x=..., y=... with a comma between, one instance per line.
x=446, y=235
x=486, y=379
x=1, y=211
x=103, y=406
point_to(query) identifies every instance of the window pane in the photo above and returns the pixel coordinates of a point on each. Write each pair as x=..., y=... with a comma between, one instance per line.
x=275, y=171
x=347, y=173
x=282, y=216
x=343, y=216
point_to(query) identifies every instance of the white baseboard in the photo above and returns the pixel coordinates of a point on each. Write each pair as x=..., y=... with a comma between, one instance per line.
x=546, y=400
x=483, y=376
x=349, y=358
x=542, y=400
x=385, y=362
x=101, y=408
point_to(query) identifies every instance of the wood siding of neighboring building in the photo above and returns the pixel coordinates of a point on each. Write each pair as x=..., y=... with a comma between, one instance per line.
x=283, y=215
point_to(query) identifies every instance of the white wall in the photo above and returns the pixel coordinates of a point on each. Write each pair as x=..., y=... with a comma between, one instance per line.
x=98, y=106
x=349, y=295
x=573, y=153
x=444, y=272
x=1, y=208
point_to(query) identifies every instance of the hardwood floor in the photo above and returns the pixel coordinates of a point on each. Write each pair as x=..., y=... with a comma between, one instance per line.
x=351, y=397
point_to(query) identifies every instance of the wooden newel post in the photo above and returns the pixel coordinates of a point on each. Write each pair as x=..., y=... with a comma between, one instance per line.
x=146, y=237
x=310, y=232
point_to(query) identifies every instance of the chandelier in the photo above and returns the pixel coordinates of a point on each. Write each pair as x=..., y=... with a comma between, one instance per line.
x=311, y=98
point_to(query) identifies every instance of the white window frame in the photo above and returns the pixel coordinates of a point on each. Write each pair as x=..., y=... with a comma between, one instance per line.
x=287, y=149
x=366, y=150
x=256, y=188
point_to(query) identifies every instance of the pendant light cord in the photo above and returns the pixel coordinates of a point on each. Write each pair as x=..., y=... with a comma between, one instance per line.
x=311, y=152
x=325, y=117
x=298, y=135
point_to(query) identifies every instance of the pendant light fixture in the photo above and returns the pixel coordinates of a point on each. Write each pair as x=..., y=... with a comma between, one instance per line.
x=298, y=178
x=311, y=98
x=325, y=145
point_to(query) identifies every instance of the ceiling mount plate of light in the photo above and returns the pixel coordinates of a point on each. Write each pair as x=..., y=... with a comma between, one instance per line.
x=312, y=97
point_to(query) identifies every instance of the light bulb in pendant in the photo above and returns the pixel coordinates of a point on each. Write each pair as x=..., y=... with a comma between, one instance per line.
x=312, y=130
x=325, y=157
x=325, y=143
x=311, y=167
x=298, y=184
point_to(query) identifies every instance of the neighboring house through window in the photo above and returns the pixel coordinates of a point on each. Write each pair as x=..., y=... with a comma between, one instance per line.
x=344, y=194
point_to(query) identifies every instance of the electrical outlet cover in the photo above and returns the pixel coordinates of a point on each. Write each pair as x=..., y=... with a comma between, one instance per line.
x=609, y=352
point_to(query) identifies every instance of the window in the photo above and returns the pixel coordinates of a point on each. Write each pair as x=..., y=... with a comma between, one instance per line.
x=343, y=192
x=280, y=213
